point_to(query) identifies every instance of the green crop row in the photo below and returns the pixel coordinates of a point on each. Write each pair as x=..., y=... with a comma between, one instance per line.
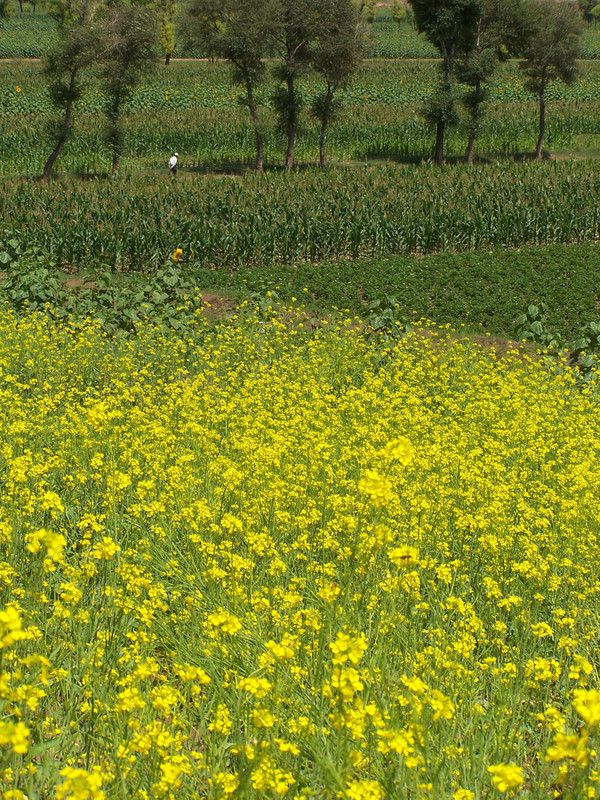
x=205, y=85
x=223, y=139
x=134, y=223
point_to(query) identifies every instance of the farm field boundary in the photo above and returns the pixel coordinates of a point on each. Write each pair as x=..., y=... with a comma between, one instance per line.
x=477, y=293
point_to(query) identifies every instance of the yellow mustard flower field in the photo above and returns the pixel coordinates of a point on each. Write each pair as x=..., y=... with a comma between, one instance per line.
x=258, y=561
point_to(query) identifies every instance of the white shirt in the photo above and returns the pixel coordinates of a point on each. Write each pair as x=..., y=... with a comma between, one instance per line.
x=172, y=162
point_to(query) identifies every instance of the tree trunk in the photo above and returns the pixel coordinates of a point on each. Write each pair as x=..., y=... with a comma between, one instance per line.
x=65, y=130
x=289, y=153
x=440, y=135
x=260, y=157
x=325, y=119
x=115, y=134
x=60, y=142
x=439, y=144
x=542, y=132
x=167, y=59
x=323, y=144
x=471, y=146
x=292, y=123
x=475, y=116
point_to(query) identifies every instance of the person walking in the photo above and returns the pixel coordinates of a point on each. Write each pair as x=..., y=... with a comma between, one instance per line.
x=173, y=165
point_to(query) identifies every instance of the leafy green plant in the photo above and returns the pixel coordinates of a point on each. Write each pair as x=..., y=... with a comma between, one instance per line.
x=585, y=350
x=166, y=298
x=386, y=318
x=10, y=249
x=31, y=280
x=532, y=326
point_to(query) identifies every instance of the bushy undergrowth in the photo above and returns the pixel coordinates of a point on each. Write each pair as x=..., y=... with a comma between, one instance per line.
x=32, y=282
x=256, y=562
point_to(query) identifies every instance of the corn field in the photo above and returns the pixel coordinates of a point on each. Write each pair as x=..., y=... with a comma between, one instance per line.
x=137, y=221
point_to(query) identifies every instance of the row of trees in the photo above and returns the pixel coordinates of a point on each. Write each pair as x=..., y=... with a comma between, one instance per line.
x=122, y=38
x=116, y=38
x=326, y=36
x=289, y=38
x=473, y=36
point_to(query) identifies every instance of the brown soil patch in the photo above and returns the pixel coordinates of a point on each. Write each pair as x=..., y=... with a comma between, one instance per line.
x=80, y=283
x=496, y=345
x=217, y=306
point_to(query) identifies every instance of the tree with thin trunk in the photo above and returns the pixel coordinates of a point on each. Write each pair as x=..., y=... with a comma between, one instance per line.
x=66, y=65
x=496, y=37
x=129, y=52
x=296, y=26
x=338, y=52
x=239, y=33
x=450, y=25
x=440, y=111
x=552, y=38
x=475, y=71
x=587, y=9
x=167, y=10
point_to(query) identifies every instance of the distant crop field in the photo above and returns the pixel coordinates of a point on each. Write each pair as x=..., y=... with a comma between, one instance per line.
x=191, y=107
x=32, y=35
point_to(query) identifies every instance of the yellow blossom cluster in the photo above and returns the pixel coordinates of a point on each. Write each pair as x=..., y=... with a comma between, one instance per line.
x=261, y=561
